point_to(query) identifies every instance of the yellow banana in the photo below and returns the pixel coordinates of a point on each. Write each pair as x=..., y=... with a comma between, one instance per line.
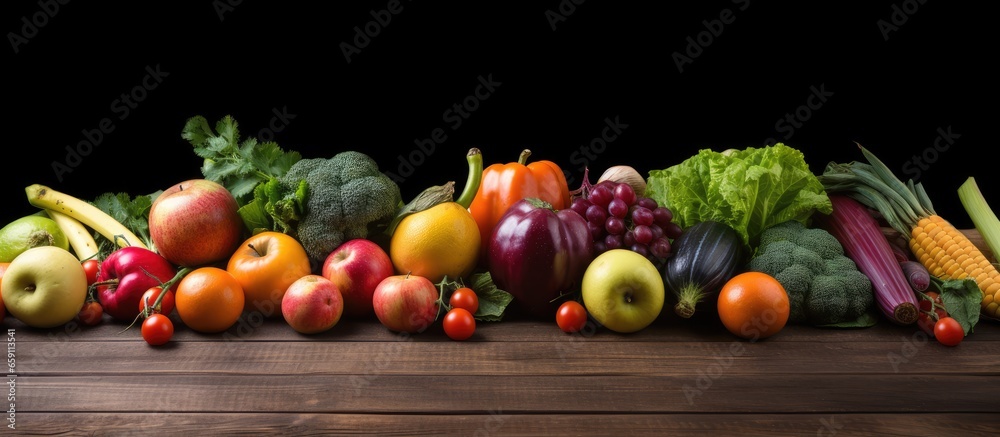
x=90, y=215
x=79, y=236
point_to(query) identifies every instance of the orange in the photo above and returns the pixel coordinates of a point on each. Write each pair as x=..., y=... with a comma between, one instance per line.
x=753, y=305
x=442, y=240
x=209, y=300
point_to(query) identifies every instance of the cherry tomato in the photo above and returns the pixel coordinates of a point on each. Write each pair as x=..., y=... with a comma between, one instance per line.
x=459, y=324
x=91, y=266
x=571, y=316
x=948, y=331
x=465, y=297
x=157, y=329
x=149, y=296
x=91, y=313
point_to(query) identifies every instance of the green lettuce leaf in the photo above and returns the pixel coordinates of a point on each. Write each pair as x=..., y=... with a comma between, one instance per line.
x=748, y=189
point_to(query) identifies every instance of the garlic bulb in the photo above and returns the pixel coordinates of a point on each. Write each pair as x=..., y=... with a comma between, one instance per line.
x=625, y=174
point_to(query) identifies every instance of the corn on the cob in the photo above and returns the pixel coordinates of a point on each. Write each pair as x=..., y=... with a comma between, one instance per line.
x=937, y=244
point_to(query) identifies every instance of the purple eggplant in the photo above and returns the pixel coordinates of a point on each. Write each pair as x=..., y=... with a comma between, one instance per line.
x=538, y=254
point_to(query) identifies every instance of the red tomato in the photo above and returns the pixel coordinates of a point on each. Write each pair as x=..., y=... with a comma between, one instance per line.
x=157, y=329
x=149, y=297
x=91, y=266
x=571, y=316
x=91, y=313
x=459, y=324
x=948, y=331
x=465, y=297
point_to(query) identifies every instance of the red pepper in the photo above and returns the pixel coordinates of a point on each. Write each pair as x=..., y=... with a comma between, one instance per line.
x=538, y=254
x=125, y=275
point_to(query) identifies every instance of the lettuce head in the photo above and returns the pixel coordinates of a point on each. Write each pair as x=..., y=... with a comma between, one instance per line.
x=748, y=189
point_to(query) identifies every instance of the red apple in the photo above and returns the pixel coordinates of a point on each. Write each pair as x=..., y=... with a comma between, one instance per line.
x=406, y=303
x=312, y=304
x=357, y=266
x=194, y=223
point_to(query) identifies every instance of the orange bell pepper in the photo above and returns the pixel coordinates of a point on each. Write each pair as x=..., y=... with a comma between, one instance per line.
x=504, y=184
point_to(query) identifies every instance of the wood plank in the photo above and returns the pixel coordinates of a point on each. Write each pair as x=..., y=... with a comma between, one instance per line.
x=516, y=330
x=505, y=423
x=570, y=357
x=530, y=394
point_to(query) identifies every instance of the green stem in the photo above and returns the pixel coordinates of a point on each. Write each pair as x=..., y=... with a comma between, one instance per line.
x=523, y=159
x=688, y=298
x=475, y=159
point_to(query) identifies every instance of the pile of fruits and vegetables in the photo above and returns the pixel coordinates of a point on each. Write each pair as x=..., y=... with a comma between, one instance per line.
x=750, y=238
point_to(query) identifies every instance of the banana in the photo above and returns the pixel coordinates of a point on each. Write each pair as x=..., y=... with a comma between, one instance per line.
x=90, y=215
x=79, y=236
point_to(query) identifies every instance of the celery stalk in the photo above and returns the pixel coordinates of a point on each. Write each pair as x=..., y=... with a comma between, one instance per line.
x=982, y=215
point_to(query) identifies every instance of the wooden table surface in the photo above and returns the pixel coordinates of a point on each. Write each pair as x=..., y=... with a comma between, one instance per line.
x=515, y=377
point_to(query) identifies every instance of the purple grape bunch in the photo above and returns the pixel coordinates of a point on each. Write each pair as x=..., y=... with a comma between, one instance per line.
x=620, y=219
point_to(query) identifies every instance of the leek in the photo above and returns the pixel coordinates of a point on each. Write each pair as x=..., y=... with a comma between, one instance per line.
x=982, y=215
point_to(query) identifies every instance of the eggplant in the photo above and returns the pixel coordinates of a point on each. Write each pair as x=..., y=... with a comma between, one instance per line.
x=705, y=256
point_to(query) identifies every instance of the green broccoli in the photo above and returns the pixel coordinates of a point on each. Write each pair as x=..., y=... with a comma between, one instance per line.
x=824, y=286
x=347, y=198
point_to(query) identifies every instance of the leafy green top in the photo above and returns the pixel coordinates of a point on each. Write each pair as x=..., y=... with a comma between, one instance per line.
x=131, y=212
x=239, y=166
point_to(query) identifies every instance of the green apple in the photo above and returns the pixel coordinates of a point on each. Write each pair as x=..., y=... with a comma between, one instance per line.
x=44, y=287
x=622, y=290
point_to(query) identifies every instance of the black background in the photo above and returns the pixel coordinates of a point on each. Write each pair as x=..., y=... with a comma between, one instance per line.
x=606, y=60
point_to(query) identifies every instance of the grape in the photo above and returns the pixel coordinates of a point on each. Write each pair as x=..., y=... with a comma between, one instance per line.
x=626, y=193
x=613, y=242
x=614, y=225
x=643, y=235
x=647, y=203
x=657, y=231
x=599, y=246
x=629, y=238
x=662, y=216
x=618, y=208
x=642, y=216
x=672, y=230
x=660, y=247
x=601, y=195
x=580, y=205
x=640, y=249
x=596, y=230
x=596, y=214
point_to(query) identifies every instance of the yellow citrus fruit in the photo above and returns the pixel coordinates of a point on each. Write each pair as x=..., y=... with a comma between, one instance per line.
x=27, y=232
x=442, y=240
x=209, y=300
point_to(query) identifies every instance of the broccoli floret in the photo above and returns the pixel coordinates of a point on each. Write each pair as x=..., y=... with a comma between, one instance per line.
x=821, y=242
x=788, y=230
x=347, y=194
x=797, y=279
x=838, y=298
x=824, y=286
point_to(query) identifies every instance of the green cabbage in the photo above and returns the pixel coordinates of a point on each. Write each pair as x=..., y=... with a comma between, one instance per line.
x=748, y=189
